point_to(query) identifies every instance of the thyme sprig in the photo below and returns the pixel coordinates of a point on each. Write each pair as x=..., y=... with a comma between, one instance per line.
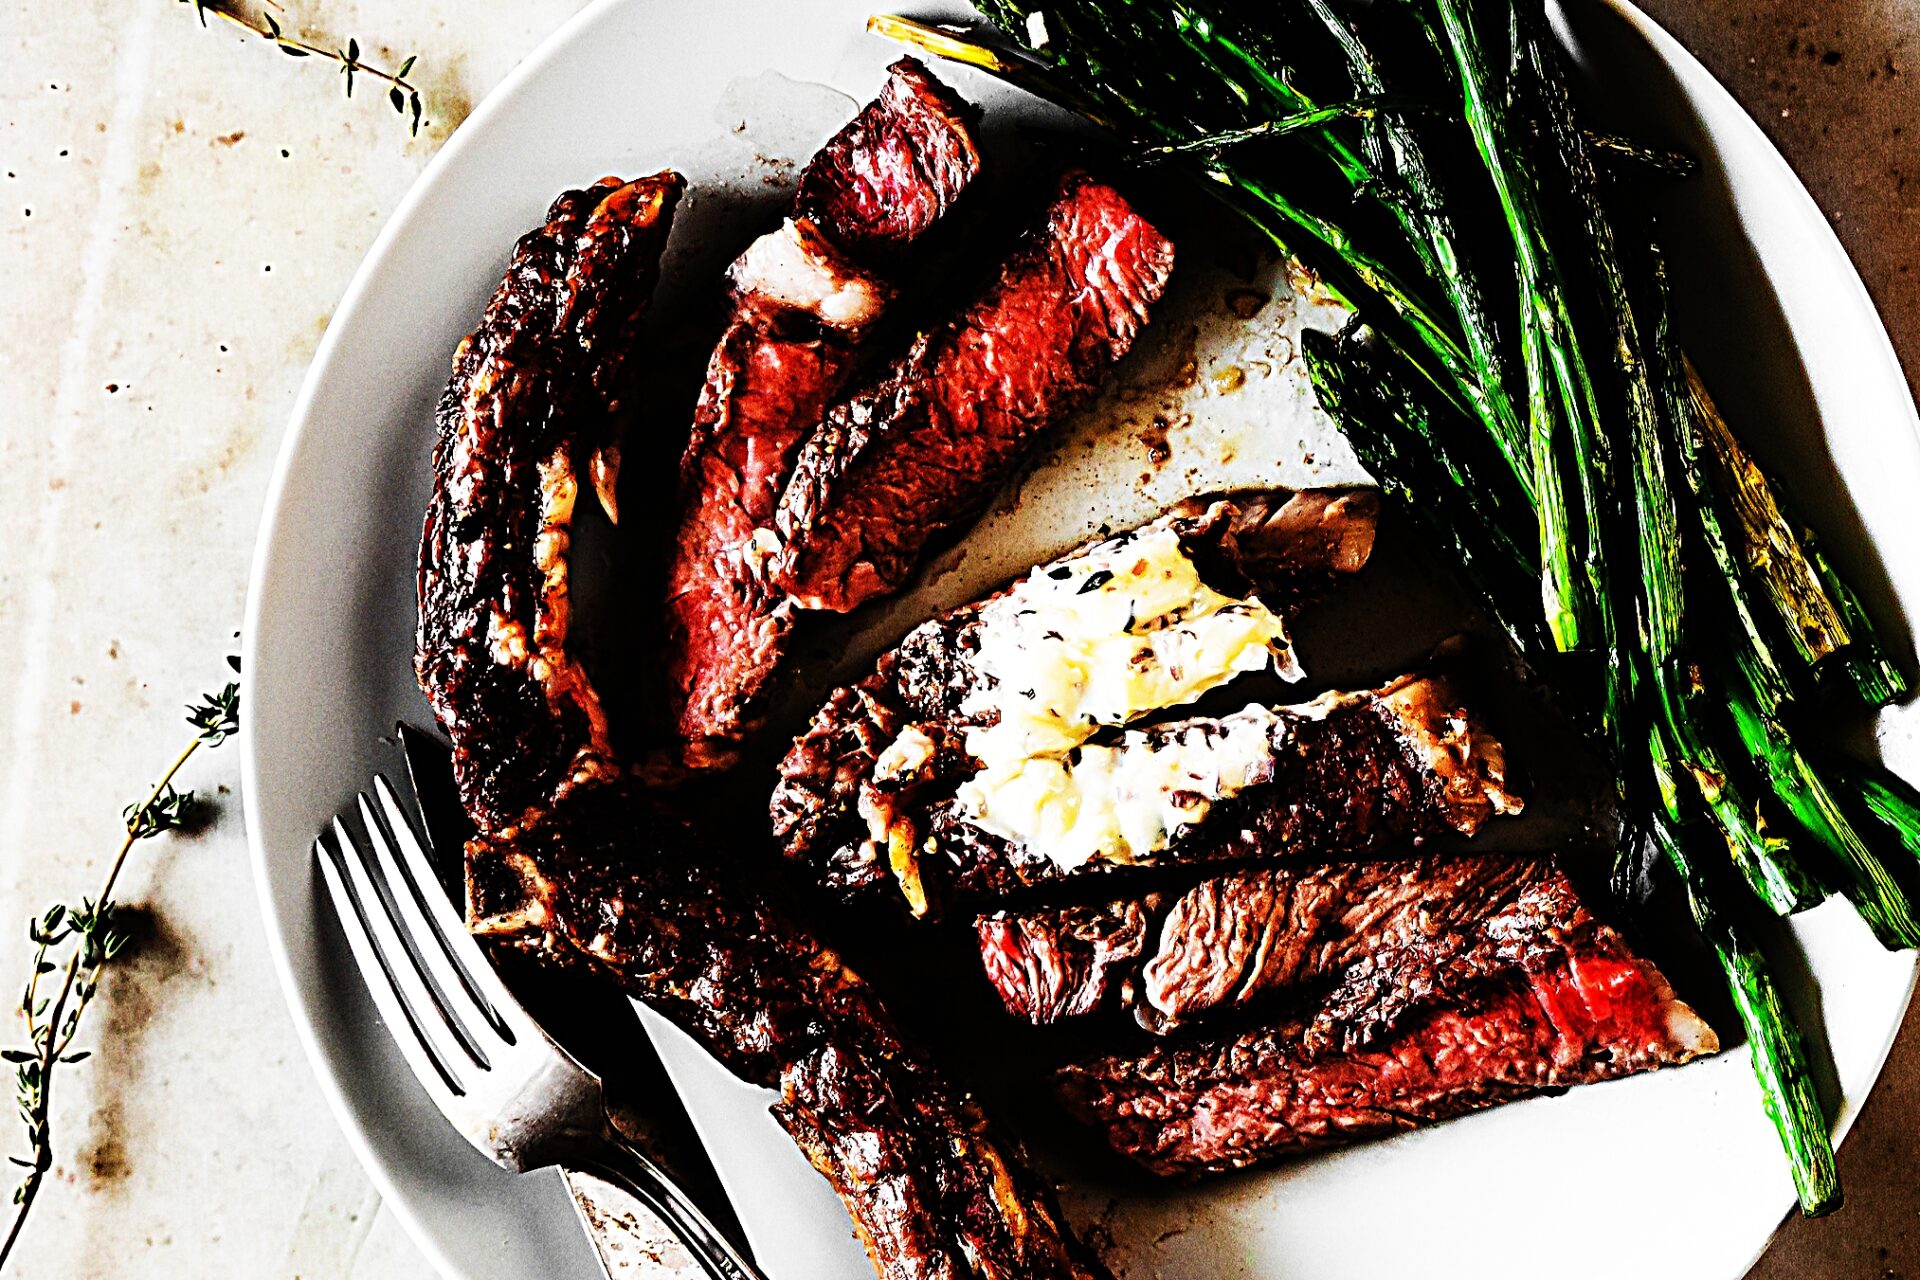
x=89, y=937
x=401, y=92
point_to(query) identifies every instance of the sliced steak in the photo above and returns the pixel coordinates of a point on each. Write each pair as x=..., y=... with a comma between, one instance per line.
x=934, y=1189
x=803, y=297
x=1061, y=963
x=888, y=177
x=1543, y=997
x=1233, y=939
x=1210, y=569
x=538, y=380
x=920, y=451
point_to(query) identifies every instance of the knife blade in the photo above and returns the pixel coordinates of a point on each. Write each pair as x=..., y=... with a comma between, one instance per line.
x=591, y=1021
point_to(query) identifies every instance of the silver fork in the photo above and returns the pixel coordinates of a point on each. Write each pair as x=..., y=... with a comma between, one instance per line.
x=499, y=1079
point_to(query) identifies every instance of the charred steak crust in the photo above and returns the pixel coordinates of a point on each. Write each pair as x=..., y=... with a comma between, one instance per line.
x=1283, y=544
x=1542, y=996
x=595, y=869
x=934, y=1190
x=1238, y=938
x=536, y=382
x=920, y=451
x=803, y=297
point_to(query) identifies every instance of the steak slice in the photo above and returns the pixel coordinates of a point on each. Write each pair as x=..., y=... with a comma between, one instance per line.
x=1214, y=566
x=906, y=459
x=884, y=180
x=803, y=297
x=1232, y=939
x=538, y=379
x=1542, y=996
x=1061, y=963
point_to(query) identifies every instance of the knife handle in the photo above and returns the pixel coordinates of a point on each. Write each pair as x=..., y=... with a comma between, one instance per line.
x=630, y=1242
x=620, y=1235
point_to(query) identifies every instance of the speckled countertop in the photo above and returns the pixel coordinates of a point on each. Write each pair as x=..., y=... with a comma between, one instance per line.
x=180, y=210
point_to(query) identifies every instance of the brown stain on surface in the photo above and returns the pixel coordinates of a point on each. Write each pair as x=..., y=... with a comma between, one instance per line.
x=446, y=99
x=104, y=1164
x=236, y=448
x=302, y=342
x=130, y=998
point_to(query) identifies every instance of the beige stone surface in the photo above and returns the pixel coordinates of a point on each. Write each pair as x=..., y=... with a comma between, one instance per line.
x=180, y=210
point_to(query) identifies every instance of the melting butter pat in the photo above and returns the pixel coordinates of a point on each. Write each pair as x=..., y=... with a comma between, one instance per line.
x=1125, y=629
x=1125, y=802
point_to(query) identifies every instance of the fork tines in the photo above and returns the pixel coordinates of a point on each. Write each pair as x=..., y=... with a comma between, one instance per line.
x=428, y=978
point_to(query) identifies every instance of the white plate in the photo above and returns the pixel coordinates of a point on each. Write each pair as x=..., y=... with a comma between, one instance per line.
x=1675, y=1173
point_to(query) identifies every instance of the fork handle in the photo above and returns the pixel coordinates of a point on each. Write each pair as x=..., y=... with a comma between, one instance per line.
x=616, y=1160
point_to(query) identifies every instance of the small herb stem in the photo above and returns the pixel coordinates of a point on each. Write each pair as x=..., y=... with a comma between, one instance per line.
x=53, y=1044
x=43, y=1150
x=94, y=944
x=401, y=92
x=313, y=50
x=166, y=780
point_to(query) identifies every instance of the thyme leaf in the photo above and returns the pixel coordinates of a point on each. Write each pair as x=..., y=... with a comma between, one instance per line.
x=77, y=943
x=402, y=94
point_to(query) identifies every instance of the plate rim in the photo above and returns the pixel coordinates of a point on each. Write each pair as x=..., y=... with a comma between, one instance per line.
x=300, y=424
x=1676, y=54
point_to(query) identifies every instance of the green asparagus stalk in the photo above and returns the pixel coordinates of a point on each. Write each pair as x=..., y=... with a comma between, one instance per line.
x=1211, y=143
x=1871, y=672
x=1779, y=1057
x=1757, y=694
x=1767, y=673
x=1415, y=460
x=1888, y=799
x=1878, y=897
x=1771, y=553
x=1394, y=148
x=1762, y=857
x=1545, y=341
